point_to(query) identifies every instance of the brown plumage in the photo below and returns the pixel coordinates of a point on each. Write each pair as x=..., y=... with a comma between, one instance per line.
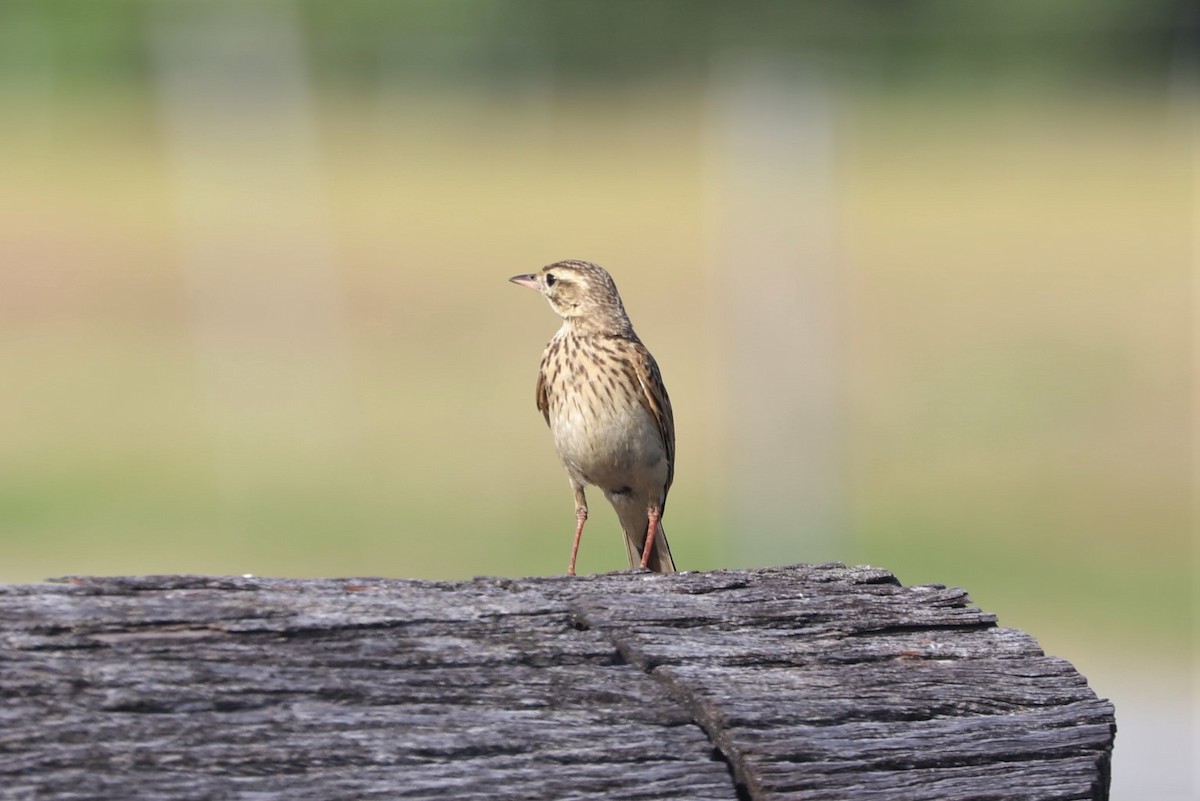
x=603, y=397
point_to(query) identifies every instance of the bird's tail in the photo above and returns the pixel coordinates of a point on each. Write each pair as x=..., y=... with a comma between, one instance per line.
x=660, y=555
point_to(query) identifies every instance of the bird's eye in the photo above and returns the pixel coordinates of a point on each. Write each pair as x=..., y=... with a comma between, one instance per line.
x=550, y=279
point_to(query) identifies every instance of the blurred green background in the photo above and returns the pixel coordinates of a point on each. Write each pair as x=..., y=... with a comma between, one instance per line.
x=920, y=277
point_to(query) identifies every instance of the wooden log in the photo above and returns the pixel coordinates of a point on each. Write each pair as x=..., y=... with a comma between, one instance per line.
x=814, y=682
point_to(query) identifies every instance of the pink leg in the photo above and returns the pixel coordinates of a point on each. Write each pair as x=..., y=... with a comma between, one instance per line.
x=581, y=517
x=654, y=516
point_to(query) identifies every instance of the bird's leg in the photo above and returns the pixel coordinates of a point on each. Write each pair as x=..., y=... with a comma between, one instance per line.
x=580, y=518
x=653, y=515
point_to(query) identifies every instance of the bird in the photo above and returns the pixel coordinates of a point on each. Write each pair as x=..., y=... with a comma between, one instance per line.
x=603, y=397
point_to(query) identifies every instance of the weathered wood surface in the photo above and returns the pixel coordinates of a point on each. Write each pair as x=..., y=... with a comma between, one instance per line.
x=813, y=682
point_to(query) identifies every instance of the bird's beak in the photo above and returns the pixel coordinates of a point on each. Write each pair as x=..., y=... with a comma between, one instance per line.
x=529, y=279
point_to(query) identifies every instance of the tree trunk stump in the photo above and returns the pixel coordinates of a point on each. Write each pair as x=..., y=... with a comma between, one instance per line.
x=825, y=683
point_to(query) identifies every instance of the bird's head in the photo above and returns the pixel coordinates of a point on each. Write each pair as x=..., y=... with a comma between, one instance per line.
x=581, y=293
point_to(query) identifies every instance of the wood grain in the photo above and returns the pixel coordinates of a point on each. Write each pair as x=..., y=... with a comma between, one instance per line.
x=814, y=682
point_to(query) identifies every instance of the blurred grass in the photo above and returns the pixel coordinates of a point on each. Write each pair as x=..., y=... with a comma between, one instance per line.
x=1016, y=285
x=1021, y=364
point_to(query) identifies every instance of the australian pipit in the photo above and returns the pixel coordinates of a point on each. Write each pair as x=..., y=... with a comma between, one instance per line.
x=603, y=397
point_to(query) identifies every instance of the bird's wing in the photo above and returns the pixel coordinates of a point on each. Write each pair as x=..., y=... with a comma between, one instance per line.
x=655, y=400
x=541, y=392
x=543, y=401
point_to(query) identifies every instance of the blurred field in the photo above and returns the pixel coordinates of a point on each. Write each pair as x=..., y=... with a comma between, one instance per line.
x=1015, y=284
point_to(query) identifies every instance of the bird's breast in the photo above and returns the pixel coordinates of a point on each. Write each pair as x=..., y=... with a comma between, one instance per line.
x=601, y=430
